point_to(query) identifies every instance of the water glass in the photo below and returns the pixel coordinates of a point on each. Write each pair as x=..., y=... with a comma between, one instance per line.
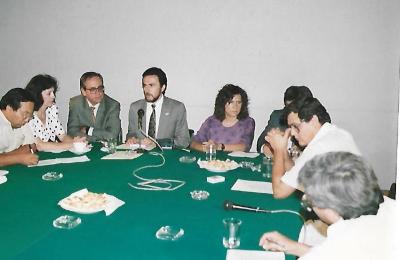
x=231, y=238
x=211, y=152
x=267, y=167
x=112, y=145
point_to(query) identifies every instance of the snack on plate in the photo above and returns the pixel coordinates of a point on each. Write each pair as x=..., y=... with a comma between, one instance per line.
x=222, y=165
x=89, y=200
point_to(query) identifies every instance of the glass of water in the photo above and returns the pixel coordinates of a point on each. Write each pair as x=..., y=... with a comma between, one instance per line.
x=267, y=167
x=211, y=152
x=231, y=238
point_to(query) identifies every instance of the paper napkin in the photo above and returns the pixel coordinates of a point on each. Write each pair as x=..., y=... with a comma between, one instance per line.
x=121, y=155
x=243, y=154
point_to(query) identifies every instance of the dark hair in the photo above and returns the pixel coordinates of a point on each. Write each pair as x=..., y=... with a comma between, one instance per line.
x=311, y=107
x=226, y=95
x=343, y=182
x=306, y=108
x=39, y=83
x=296, y=92
x=87, y=75
x=162, y=77
x=14, y=97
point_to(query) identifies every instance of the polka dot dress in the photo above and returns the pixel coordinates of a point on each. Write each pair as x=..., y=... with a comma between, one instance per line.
x=52, y=127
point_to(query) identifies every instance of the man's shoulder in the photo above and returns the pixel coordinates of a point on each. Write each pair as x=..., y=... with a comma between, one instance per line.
x=138, y=103
x=77, y=98
x=110, y=100
x=173, y=102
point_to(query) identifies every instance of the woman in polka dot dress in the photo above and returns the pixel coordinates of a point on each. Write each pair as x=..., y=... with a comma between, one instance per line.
x=45, y=124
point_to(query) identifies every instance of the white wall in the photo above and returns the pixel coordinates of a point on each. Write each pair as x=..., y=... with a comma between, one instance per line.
x=346, y=51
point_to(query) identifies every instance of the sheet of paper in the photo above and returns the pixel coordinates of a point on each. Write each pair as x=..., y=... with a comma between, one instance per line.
x=243, y=154
x=3, y=179
x=82, y=158
x=126, y=146
x=3, y=172
x=253, y=186
x=236, y=254
x=121, y=155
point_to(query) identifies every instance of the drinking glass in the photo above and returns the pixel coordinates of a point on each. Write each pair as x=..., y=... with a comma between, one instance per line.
x=267, y=167
x=231, y=238
x=211, y=152
x=112, y=145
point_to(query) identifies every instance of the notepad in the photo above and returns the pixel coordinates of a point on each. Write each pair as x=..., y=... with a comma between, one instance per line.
x=236, y=254
x=253, y=186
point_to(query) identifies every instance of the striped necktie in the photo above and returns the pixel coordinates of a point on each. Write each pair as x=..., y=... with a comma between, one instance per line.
x=152, y=122
x=93, y=114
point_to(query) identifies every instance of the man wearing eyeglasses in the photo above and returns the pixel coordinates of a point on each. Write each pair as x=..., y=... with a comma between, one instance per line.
x=309, y=123
x=93, y=114
x=342, y=189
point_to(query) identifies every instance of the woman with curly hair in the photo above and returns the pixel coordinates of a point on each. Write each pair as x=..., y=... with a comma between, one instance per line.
x=45, y=124
x=230, y=128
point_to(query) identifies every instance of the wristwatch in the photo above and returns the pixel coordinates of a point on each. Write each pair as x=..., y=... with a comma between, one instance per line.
x=222, y=147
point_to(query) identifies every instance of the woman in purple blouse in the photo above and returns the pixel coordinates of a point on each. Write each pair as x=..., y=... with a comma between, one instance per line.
x=230, y=128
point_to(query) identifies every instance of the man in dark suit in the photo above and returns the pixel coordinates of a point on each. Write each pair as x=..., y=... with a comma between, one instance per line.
x=93, y=114
x=275, y=119
x=157, y=115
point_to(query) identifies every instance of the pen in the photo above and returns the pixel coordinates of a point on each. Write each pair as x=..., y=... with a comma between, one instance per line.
x=30, y=148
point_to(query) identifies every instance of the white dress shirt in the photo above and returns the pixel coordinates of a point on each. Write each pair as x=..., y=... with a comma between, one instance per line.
x=369, y=237
x=12, y=138
x=329, y=138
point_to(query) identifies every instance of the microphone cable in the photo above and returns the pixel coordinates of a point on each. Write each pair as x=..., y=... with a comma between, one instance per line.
x=155, y=184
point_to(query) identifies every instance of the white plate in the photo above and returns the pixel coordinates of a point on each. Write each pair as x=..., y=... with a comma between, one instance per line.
x=63, y=204
x=80, y=210
x=87, y=149
x=212, y=168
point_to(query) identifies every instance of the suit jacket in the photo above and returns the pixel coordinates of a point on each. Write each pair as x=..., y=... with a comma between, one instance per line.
x=173, y=123
x=107, y=124
x=273, y=122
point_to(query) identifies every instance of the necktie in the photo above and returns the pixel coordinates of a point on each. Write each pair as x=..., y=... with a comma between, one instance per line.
x=152, y=122
x=93, y=115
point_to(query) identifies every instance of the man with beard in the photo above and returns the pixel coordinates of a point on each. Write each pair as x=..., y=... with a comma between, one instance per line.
x=157, y=115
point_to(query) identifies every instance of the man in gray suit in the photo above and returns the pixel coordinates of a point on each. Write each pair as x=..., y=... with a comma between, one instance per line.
x=157, y=115
x=93, y=114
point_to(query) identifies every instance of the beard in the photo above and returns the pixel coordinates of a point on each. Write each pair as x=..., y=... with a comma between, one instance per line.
x=150, y=98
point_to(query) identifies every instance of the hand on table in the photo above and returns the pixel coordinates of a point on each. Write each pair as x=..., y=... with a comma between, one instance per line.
x=275, y=241
x=28, y=159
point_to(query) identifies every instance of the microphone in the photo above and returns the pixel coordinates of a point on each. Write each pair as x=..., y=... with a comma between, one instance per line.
x=229, y=205
x=140, y=114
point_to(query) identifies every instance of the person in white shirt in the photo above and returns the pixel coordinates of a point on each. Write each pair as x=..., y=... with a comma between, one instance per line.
x=309, y=123
x=16, y=142
x=342, y=189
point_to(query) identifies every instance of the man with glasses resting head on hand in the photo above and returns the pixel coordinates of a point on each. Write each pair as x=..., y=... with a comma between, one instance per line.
x=93, y=114
x=309, y=123
x=342, y=189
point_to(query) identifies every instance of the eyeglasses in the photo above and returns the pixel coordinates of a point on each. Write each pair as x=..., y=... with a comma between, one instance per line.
x=306, y=204
x=99, y=89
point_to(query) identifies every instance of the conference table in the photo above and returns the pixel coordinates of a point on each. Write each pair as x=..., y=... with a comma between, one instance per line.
x=28, y=206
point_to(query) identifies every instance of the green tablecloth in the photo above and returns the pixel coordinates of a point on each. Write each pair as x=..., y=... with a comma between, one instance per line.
x=29, y=205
